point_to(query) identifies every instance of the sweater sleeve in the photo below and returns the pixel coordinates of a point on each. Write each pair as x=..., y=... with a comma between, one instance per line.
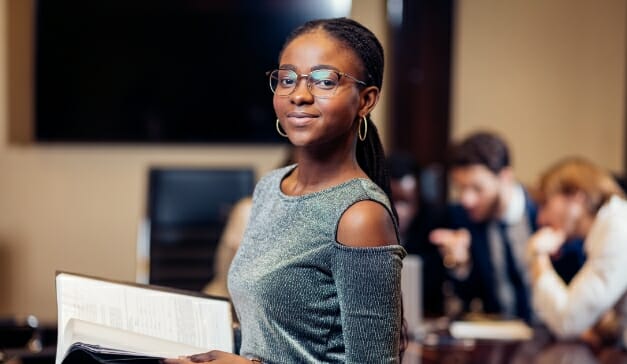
x=369, y=292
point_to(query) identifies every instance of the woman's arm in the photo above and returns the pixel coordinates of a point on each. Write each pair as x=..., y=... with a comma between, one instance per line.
x=367, y=271
x=569, y=310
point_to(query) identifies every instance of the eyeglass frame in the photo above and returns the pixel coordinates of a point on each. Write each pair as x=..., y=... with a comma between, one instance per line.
x=309, y=84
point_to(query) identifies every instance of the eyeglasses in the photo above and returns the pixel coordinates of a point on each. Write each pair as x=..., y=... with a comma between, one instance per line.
x=320, y=83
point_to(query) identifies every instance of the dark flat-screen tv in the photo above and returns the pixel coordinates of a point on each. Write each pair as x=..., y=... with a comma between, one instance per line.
x=162, y=71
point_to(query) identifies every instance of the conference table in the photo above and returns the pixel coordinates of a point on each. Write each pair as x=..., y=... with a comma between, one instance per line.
x=437, y=345
x=441, y=347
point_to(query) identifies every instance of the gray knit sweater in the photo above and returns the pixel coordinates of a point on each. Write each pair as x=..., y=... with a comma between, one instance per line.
x=301, y=297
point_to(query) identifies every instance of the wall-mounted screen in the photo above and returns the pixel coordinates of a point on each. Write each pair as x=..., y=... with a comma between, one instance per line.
x=162, y=71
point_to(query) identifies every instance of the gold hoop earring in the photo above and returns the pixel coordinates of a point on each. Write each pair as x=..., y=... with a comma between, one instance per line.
x=362, y=137
x=278, y=129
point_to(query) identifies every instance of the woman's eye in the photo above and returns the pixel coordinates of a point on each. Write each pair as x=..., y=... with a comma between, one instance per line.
x=286, y=82
x=326, y=84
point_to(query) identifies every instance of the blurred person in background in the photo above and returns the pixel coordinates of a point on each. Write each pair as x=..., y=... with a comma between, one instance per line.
x=416, y=218
x=581, y=200
x=227, y=247
x=484, y=239
x=621, y=180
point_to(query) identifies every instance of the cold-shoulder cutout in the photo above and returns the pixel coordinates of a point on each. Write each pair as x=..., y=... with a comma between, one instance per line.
x=366, y=223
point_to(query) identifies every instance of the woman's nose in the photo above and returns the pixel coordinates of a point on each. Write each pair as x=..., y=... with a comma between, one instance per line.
x=301, y=93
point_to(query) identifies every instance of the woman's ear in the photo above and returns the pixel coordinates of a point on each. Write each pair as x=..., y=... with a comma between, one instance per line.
x=369, y=97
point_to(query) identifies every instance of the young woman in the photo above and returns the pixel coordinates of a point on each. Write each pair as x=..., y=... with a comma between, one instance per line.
x=581, y=200
x=317, y=276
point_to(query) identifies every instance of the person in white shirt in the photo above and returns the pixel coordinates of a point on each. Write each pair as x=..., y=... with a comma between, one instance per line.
x=580, y=199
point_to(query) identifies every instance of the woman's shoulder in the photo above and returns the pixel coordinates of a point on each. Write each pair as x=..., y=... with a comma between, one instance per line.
x=367, y=223
x=609, y=231
x=613, y=213
x=368, y=220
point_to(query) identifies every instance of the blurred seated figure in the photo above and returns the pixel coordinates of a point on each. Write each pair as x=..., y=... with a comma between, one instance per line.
x=232, y=236
x=622, y=181
x=227, y=247
x=581, y=200
x=484, y=236
x=416, y=219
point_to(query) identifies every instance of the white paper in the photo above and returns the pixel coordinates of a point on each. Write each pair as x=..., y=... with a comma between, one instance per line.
x=411, y=287
x=492, y=330
x=133, y=318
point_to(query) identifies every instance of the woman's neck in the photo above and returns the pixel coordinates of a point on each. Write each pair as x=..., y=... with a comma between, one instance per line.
x=318, y=170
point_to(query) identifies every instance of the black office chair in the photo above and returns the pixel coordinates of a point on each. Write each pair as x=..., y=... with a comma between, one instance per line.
x=187, y=211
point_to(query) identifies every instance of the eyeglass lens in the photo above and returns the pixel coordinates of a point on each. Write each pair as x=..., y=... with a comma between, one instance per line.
x=319, y=82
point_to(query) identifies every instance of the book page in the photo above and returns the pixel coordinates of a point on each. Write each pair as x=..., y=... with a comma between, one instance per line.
x=90, y=308
x=112, y=340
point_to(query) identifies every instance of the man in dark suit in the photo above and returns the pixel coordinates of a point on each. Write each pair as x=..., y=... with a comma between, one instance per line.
x=483, y=244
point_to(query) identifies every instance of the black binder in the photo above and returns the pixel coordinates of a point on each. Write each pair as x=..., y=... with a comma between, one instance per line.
x=81, y=353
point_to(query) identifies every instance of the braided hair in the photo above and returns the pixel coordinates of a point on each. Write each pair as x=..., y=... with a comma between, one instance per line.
x=368, y=49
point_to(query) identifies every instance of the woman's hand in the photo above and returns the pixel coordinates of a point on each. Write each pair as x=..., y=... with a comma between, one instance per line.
x=546, y=241
x=541, y=245
x=214, y=357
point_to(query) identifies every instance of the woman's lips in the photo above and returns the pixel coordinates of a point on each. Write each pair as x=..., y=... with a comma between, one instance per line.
x=300, y=118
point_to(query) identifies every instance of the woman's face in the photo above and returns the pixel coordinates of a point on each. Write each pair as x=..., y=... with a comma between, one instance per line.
x=314, y=121
x=561, y=212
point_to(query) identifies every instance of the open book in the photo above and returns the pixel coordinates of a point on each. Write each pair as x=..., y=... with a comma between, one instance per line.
x=112, y=318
